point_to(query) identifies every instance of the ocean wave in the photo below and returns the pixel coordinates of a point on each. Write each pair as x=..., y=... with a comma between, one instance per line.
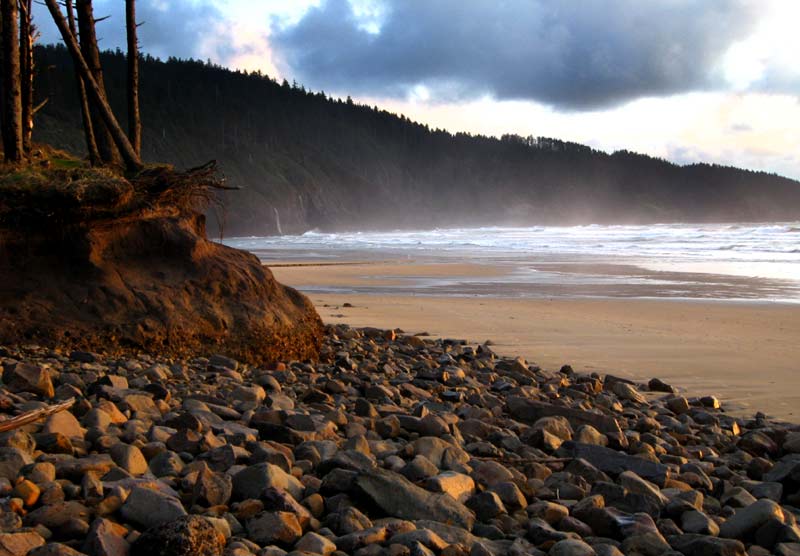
x=738, y=244
x=730, y=247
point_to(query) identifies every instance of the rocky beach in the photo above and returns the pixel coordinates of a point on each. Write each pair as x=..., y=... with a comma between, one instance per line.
x=498, y=292
x=391, y=444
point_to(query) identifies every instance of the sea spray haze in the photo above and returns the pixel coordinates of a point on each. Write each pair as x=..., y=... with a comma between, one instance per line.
x=745, y=260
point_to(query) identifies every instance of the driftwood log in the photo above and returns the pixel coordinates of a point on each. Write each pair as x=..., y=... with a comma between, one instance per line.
x=34, y=415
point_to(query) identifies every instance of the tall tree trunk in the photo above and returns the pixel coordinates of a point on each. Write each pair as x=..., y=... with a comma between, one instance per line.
x=12, y=94
x=26, y=38
x=132, y=160
x=2, y=83
x=134, y=118
x=91, y=54
x=88, y=129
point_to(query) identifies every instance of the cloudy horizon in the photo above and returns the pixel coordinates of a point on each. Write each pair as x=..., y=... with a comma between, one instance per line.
x=685, y=80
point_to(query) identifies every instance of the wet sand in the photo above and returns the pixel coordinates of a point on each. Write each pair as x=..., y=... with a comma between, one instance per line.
x=746, y=353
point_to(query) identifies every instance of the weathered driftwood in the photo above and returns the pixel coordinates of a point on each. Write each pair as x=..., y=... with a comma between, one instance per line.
x=34, y=415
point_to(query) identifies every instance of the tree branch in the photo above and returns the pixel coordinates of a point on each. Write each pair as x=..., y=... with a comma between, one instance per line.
x=40, y=105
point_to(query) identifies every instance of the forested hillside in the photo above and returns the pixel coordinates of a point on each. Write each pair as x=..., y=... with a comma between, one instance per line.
x=307, y=161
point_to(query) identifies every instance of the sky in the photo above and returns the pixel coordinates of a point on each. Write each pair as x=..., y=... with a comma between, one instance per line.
x=686, y=80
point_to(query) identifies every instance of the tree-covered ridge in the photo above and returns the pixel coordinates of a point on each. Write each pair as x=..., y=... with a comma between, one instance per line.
x=307, y=160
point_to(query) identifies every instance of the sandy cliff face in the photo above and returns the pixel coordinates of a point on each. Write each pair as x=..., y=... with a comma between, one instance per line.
x=94, y=266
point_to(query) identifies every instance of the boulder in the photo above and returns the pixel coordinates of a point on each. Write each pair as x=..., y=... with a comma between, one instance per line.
x=613, y=462
x=315, y=544
x=19, y=543
x=627, y=392
x=695, y=521
x=635, y=484
x=645, y=544
x=746, y=520
x=787, y=549
x=106, y=538
x=550, y=512
x=792, y=443
x=55, y=549
x=658, y=385
x=459, y=486
x=150, y=508
x=129, y=458
x=587, y=434
x=531, y=411
x=703, y=545
x=11, y=461
x=212, y=489
x=399, y=497
x=571, y=547
x=54, y=516
x=253, y=481
x=274, y=527
x=486, y=505
x=27, y=377
x=425, y=537
x=278, y=500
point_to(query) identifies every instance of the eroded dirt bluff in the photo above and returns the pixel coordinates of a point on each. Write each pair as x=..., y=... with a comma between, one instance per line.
x=88, y=259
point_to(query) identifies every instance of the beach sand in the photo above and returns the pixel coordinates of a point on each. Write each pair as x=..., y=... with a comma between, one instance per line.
x=745, y=353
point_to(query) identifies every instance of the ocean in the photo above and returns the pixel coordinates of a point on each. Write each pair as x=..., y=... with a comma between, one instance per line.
x=736, y=261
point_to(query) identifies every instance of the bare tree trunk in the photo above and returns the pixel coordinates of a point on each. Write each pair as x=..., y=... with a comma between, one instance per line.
x=134, y=118
x=88, y=44
x=26, y=38
x=12, y=94
x=88, y=129
x=2, y=83
x=132, y=160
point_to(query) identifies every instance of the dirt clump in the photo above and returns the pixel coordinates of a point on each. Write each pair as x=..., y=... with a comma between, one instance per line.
x=91, y=259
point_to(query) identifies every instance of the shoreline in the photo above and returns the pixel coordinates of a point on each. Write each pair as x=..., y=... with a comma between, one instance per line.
x=743, y=351
x=532, y=279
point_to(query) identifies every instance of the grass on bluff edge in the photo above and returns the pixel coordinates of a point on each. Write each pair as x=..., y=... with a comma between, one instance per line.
x=50, y=168
x=58, y=186
x=66, y=163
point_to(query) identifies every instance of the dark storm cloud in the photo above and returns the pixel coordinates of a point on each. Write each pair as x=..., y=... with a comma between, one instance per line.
x=169, y=27
x=572, y=54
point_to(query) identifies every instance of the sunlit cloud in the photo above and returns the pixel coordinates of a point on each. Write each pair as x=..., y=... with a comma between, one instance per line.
x=767, y=59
